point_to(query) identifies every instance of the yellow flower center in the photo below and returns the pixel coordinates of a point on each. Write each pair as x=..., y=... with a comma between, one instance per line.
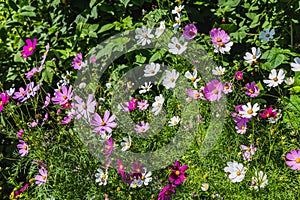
x=215, y=91
x=254, y=57
x=197, y=95
x=250, y=112
x=25, y=147
x=219, y=39
x=159, y=105
x=243, y=127
x=64, y=97
x=178, y=46
x=143, y=178
x=79, y=63
x=103, y=176
x=84, y=106
x=222, y=44
x=30, y=49
x=128, y=144
x=193, y=79
x=275, y=79
x=297, y=160
x=238, y=173
x=142, y=128
x=152, y=71
x=145, y=35
x=103, y=123
x=172, y=79
x=44, y=177
x=226, y=87
x=177, y=172
x=251, y=91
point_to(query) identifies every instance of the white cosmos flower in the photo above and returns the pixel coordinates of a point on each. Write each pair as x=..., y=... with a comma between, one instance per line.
x=11, y=91
x=175, y=47
x=205, y=187
x=218, y=71
x=249, y=110
x=252, y=58
x=296, y=66
x=236, y=171
x=158, y=104
x=177, y=9
x=289, y=81
x=259, y=180
x=136, y=183
x=170, y=79
x=178, y=22
x=160, y=29
x=146, y=177
x=126, y=144
x=145, y=88
x=151, y=69
x=101, y=177
x=275, y=79
x=174, y=121
x=222, y=48
x=192, y=77
x=143, y=35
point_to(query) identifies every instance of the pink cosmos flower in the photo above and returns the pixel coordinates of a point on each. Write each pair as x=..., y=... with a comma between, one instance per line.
x=109, y=146
x=103, y=125
x=293, y=159
x=33, y=71
x=194, y=94
x=178, y=174
x=62, y=97
x=138, y=167
x=84, y=109
x=227, y=88
x=241, y=126
x=28, y=50
x=252, y=89
x=77, y=62
x=132, y=104
x=22, y=189
x=238, y=75
x=120, y=166
x=44, y=56
x=21, y=95
x=20, y=133
x=31, y=89
x=166, y=192
x=23, y=146
x=142, y=105
x=40, y=163
x=219, y=36
x=213, y=90
x=142, y=127
x=42, y=178
x=67, y=119
x=47, y=101
x=190, y=31
x=248, y=151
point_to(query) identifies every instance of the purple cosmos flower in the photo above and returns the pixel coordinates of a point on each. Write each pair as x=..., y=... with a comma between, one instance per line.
x=23, y=146
x=138, y=167
x=178, y=174
x=40, y=163
x=120, y=166
x=47, y=101
x=77, y=62
x=166, y=192
x=227, y=88
x=293, y=159
x=213, y=90
x=190, y=31
x=241, y=125
x=31, y=90
x=248, y=151
x=44, y=56
x=104, y=125
x=82, y=108
x=34, y=123
x=4, y=98
x=109, y=146
x=21, y=95
x=33, y=71
x=219, y=36
x=42, y=178
x=252, y=89
x=142, y=105
x=28, y=50
x=67, y=119
x=238, y=75
x=64, y=96
x=142, y=127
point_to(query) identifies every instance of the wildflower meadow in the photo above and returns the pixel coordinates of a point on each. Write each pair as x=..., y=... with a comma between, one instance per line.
x=150, y=99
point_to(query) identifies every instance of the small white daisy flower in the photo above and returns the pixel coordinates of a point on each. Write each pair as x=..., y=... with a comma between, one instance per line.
x=177, y=9
x=146, y=177
x=296, y=66
x=222, y=48
x=145, y=88
x=151, y=69
x=205, y=187
x=259, y=180
x=177, y=22
x=289, y=81
x=249, y=111
x=126, y=144
x=101, y=177
x=158, y=104
x=252, y=58
x=160, y=29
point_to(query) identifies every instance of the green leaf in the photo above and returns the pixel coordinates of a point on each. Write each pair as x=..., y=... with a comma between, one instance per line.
x=276, y=60
x=106, y=27
x=124, y=2
x=255, y=21
x=47, y=75
x=92, y=3
x=140, y=59
x=28, y=8
x=260, y=86
x=28, y=14
x=158, y=55
x=295, y=89
x=18, y=58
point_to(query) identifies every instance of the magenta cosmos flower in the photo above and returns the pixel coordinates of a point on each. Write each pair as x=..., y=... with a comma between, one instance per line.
x=29, y=48
x=42, y=178
x=238, y=75
x=293, y=159
x=190, y=31
x=4, y=98
x=63, y=96
x=166, y=192
x=120, y=166
x=252, y=89
x=213, y=90
x=178, y=174
x=23, y=146
x=219, y=36
x=103, y=125
x=268, y=113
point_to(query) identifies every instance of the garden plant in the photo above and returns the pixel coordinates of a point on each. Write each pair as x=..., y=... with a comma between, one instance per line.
x=150, y=99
